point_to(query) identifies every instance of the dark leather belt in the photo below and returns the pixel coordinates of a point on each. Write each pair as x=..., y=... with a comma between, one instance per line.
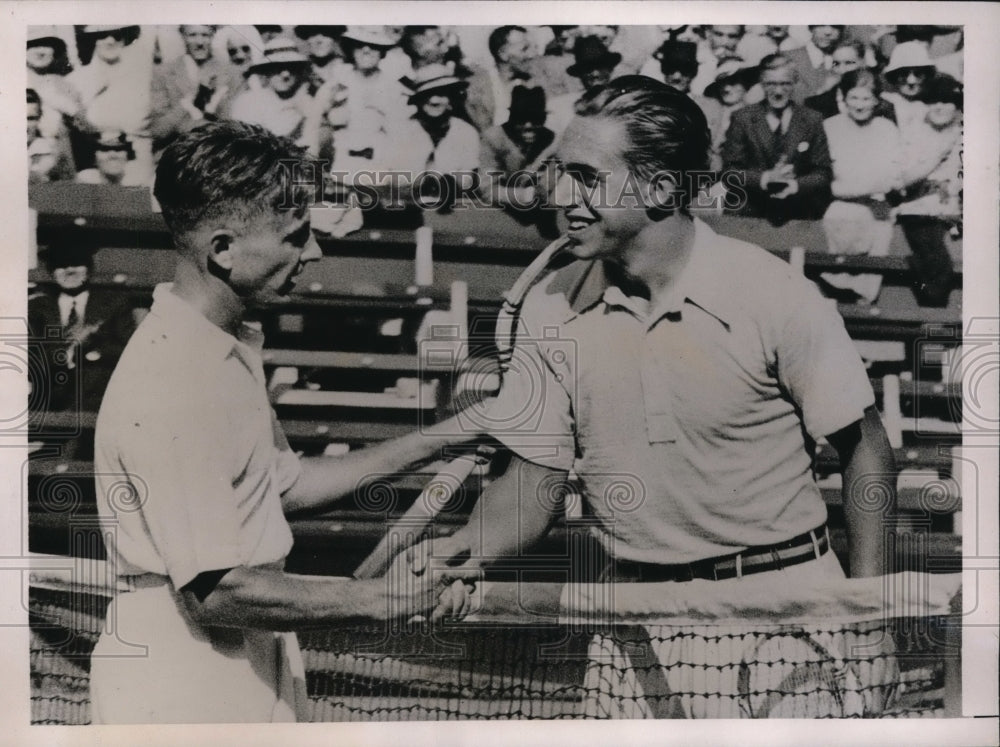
x=808, y=546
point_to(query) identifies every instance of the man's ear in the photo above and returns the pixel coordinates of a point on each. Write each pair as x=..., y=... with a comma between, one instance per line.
x=220, y=254
x=666, y=194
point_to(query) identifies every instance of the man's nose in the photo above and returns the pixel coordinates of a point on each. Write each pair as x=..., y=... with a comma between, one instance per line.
x=565, y=194
x=312, y=250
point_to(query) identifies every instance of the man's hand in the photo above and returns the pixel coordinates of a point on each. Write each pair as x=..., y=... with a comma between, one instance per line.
x=791, y=189
x=415, y=589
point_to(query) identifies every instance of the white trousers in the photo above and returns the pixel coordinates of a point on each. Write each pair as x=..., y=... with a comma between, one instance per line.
x=187, y=673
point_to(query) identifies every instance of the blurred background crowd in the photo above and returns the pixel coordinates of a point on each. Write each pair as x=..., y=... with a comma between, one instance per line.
x=857, y=126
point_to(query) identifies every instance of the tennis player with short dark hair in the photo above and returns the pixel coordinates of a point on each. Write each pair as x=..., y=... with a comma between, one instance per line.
x=684, y=378
x=194, y=474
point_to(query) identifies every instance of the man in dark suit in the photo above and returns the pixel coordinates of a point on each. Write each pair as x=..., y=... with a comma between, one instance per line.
x=192, y=88
x=515, y=63
x=781, y=150
x=85, y=328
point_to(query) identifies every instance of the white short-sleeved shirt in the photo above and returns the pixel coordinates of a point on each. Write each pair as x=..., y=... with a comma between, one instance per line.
x=690, y=425
x=189, y=458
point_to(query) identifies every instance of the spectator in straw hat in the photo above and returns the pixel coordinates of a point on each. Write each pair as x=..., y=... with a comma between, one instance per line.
x=194, y=87
x=593, y=65
x=324, y=51
x=284, y=103
x=362, y=104
x=908, y=70
x=433, y=138
x=113, y=158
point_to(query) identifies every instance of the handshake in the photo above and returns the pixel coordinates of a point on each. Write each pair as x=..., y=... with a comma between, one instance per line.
x=431, y=580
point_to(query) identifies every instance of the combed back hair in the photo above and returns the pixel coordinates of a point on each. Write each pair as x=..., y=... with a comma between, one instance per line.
x=775, y=61
x=667, y=131
x=498, y=38
x=230, y=168
x=860, y=78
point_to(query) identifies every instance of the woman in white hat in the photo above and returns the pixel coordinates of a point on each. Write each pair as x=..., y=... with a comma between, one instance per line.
x=909, y=68
x=114, y=158
x=114, y=84
x=433, y=140
x=283, y=103
x=363, y=104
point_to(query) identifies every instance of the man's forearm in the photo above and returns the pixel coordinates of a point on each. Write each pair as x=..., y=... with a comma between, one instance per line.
x=512, y=515
x=869, y=494
x=325, y=480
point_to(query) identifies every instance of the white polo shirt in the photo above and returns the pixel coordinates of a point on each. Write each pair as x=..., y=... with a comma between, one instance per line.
x=189, y=458
x=690, y=424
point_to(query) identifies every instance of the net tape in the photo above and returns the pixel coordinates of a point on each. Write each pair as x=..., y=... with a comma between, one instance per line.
x=869, y=647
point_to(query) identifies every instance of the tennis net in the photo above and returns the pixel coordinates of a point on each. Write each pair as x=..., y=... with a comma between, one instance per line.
x=856, y=648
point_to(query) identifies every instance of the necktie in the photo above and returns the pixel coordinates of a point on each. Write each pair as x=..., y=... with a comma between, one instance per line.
x=777, y=142
x=74, y=318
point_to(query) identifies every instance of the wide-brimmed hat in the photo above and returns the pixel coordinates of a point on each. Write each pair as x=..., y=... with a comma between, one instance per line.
x=305, y=32
x=114, y=140
x=71, y=247
x=943, y=88
x=372, y=36
x=432, y=79
x=46, y=36
x=279, y=52
x=108, y=29
x=731, y=70
x=591, y=53
x=678, y=55
x=912, y=54
x=527, y=104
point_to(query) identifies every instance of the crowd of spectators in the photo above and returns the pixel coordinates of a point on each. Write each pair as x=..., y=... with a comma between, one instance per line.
x=860, y=126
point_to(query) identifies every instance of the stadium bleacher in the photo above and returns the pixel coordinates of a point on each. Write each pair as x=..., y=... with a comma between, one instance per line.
x=351, y=361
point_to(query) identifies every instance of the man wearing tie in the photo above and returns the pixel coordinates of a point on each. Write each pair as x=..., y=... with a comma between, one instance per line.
x=95, y=324
x=781, y=151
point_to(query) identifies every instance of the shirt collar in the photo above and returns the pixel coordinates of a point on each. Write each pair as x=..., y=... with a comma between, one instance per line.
x=588, y=284
x=211, y=341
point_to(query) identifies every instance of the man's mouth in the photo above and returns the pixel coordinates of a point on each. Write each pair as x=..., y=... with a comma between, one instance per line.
x=578, y=225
